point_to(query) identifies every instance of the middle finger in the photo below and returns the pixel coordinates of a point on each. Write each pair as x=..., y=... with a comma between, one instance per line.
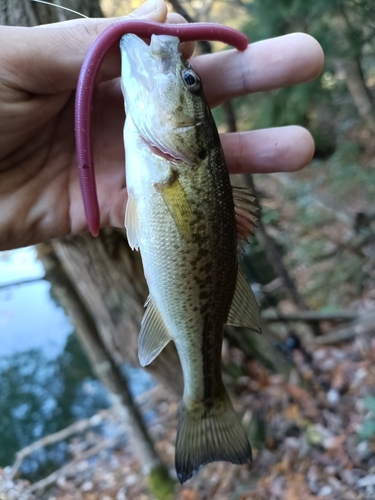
x=265, y=65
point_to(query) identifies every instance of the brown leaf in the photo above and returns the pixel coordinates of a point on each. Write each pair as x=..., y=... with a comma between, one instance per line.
x=303, y=398
x=187, y=495
x=257, y=372
x=338, y=379
x=292, y=412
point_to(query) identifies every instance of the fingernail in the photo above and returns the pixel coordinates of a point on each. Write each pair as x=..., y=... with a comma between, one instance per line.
x=144, y=9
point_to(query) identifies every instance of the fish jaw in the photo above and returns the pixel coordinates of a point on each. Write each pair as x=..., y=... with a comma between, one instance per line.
x=168, y=117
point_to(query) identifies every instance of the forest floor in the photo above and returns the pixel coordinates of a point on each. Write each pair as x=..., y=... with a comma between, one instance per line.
x=305, y=430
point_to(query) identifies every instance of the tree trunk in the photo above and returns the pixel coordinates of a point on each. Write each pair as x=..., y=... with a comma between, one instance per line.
x=355, y=81
x=354, y=77
x=109, y=278
x=28, y=13
x=101, y=361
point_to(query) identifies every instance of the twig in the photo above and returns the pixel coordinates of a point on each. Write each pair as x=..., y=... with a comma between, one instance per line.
x=310, y=316
x=75, y=428
x=363, y=325
x=273, y=285
x=22, y=282
x=94, y=450
x=151, y=396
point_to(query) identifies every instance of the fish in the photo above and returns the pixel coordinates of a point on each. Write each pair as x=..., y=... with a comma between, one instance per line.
x=188, y=223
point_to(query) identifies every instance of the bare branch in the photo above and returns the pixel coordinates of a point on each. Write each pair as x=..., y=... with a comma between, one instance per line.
x=75, y=428
x=22, y=282
x=363, y=325
x=309, y=316
x=94, y=450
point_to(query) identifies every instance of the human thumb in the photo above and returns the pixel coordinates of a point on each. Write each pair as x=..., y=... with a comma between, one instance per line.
x=47, y=59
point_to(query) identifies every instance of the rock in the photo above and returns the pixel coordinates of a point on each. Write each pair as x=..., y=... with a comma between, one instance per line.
x=366, y=481
x=325, y=491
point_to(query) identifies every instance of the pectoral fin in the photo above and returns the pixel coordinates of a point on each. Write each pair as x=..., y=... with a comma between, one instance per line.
x=153, y=336
x=132, y=223
x=178, y=205
x=244, y=310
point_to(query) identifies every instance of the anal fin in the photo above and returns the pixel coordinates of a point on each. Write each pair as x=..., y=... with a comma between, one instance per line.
x=153, y=336
x=244, y=310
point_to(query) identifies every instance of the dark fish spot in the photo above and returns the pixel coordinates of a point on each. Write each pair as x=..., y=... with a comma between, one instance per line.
x=202, y=252
x=202, y=153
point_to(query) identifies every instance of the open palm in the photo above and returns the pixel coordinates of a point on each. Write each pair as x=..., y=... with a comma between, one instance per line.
x=39, y=188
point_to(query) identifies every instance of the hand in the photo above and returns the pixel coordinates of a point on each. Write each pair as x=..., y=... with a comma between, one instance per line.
x=40, y=195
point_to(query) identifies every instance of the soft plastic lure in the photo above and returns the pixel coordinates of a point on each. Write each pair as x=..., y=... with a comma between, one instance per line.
x=86, y=87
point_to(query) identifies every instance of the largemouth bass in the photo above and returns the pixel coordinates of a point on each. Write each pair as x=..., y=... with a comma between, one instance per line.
x=187, y=221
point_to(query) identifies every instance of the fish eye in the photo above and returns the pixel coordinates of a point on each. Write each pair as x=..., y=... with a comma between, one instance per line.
x=191, y=80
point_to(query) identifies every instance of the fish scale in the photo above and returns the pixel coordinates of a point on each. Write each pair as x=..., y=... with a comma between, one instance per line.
x=181, y=216
x=182, y=275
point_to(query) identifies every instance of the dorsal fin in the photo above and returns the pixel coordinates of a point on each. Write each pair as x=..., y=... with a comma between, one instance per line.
x=245, y=207
x=244, y=310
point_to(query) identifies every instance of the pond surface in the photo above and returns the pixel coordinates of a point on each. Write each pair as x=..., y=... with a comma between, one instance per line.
x=46, y=382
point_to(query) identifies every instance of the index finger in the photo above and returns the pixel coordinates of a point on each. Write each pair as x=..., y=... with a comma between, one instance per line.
x=265, y=65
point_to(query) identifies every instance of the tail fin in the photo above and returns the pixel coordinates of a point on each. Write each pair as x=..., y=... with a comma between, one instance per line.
x=208, y=432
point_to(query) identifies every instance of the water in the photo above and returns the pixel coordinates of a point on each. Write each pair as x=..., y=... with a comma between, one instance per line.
x=46, y=382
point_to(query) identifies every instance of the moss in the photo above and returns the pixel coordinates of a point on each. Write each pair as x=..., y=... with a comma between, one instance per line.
x=161, y=483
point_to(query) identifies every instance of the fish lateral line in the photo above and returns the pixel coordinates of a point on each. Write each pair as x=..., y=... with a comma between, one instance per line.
x=86, y=88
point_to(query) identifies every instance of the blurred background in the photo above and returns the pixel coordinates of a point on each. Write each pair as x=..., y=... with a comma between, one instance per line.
x=70, y=310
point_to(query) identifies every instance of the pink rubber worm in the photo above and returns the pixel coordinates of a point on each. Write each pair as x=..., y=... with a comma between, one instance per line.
x=86, y=87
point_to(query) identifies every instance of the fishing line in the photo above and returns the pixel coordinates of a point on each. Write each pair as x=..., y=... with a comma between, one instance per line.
x=60, y=7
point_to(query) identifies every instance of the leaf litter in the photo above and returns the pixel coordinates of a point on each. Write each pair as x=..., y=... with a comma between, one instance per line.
x=308, y=432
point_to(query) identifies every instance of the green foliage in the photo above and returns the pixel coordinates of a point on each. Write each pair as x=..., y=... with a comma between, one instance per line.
x=257, y=430
x=367, y=430
x=346, y=30
x=161, y=483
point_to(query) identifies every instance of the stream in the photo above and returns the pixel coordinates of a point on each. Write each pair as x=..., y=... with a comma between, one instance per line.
x=46, y=382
